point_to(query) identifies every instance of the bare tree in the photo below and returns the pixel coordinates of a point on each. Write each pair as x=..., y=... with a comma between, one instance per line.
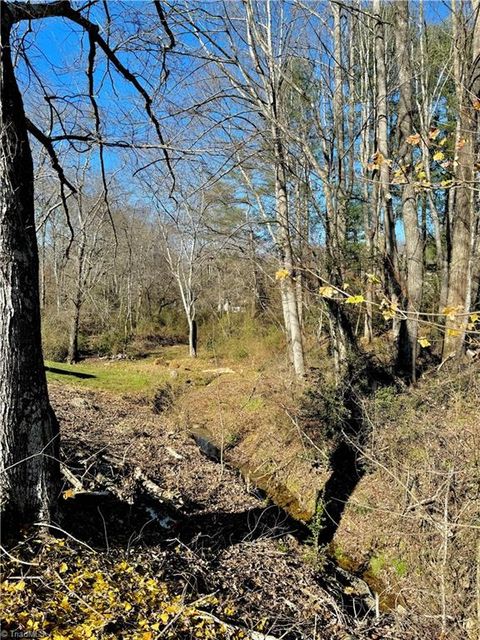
x=29, y=474
x=258, y=84
x=87, y=255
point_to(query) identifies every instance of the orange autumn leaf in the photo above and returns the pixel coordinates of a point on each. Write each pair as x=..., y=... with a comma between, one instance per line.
x=414, y=139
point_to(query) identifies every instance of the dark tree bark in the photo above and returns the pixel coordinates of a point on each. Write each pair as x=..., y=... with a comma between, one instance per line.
x=407, y=344
x=192, y=338
x=29, y=467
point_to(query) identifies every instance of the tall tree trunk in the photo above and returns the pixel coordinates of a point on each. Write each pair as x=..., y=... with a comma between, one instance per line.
x=302, y=227
x=370, y=193
x=289, y=298
x=407, y=347
x=340, y=222
x=459, y=281
x=391, y=252
x=29, y=473
x=43, y=294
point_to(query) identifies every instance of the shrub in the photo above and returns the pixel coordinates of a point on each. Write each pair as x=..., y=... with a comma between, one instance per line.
x=55, y=338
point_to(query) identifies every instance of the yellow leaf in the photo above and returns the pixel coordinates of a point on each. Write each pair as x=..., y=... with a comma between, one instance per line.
x=414, y=139
x=474, y=317
x=229, y=610
x=399, y=176
x=127, y=606
x=443, y=142
x=69, y=493
x=164, y=618
x=147, y=635
x=453, y=332
x=326, y=292
x=439, y=155
x=450, y=312
x=32, y=624
x=391, y=311
x=371, y=277
x=423, y=342
x=446, y=183
x=63, y=567
x=282, y=274
x=354, y=299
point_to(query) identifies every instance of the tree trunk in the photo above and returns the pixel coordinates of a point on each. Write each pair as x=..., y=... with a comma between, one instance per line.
x=29, y=473
x=459, y=281
x=340, y=222
x=370, y=193
x=289, y=298
x=407, y=346
x=73, y=355
x=391, y=252
x=192, y=337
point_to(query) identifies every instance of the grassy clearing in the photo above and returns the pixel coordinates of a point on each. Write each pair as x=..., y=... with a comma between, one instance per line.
x=118, y=377
x=137, y=377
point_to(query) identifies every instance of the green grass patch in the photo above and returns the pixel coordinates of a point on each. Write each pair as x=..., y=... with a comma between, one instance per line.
x=254, y=404
x=169, y=365
x=106, y=375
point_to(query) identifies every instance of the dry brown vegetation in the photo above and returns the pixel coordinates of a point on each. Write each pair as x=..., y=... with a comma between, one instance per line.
x=411, y=525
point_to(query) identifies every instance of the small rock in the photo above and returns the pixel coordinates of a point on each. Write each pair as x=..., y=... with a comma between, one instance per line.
x=80, y=403
x=173, y=453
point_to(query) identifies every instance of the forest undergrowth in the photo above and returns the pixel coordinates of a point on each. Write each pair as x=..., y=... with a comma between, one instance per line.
x=155, y=539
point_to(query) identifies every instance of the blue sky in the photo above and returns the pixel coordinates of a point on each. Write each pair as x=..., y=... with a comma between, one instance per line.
x=58, y=51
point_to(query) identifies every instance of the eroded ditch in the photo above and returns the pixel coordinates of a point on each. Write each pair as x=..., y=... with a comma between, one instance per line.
x=362, y=592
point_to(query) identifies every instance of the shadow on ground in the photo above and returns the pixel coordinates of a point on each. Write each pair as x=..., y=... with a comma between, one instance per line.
x=74, y=374
x=104, y=521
